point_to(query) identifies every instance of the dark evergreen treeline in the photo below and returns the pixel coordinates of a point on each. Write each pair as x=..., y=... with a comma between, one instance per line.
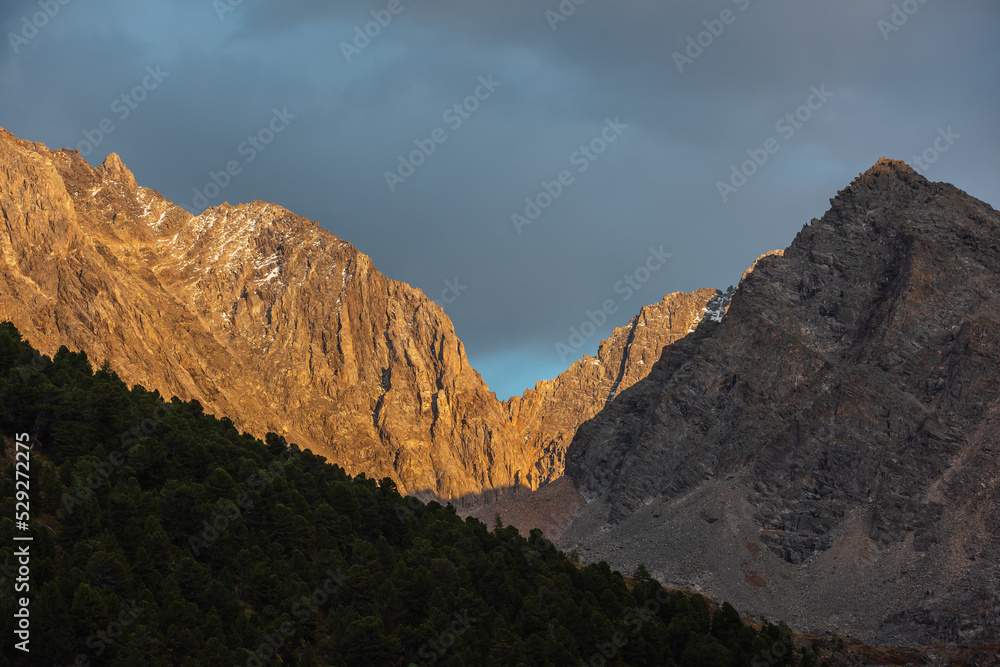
x=162, y=536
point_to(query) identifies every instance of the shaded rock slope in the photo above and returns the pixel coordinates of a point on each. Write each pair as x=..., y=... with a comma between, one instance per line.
x=548, y=415
x=267, y=318
x=829, y=452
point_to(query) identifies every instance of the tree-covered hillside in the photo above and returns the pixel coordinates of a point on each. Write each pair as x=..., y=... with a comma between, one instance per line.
x=163, y=536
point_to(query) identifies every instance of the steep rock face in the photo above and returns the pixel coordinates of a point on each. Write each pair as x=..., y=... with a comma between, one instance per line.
x=258, y=313
x=548, y=415
x=266, y=318
x=815, y=448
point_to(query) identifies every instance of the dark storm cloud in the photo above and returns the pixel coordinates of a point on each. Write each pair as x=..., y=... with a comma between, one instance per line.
x=450, y=222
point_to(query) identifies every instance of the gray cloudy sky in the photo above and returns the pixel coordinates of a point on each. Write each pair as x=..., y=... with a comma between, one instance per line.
x=224, y=67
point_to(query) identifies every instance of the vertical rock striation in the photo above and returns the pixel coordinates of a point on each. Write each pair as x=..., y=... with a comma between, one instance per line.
x=265, y=317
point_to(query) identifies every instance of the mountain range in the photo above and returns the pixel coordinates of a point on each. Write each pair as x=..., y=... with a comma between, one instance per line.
x=818, y=444
x=829, y=450
x=267, y=318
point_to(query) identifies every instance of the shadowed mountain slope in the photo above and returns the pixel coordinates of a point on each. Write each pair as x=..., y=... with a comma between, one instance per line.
x=829, y=447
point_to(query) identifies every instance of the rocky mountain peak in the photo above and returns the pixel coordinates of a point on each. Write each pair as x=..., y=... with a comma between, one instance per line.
x=885, y=182
x=828, y=418
x=113, y=170
x=888, y=175
x=887, y=167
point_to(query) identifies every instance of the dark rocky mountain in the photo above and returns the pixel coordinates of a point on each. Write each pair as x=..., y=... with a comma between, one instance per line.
x=265, y=317
x=829, y=452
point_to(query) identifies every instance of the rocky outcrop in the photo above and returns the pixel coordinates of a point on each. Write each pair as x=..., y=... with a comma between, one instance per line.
x=270, y=320
x=827, y=452
x=547, y=416
x=770, y=253
x=259, y=314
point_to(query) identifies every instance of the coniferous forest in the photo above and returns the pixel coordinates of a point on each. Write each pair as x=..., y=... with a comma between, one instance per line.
x=163, y=536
